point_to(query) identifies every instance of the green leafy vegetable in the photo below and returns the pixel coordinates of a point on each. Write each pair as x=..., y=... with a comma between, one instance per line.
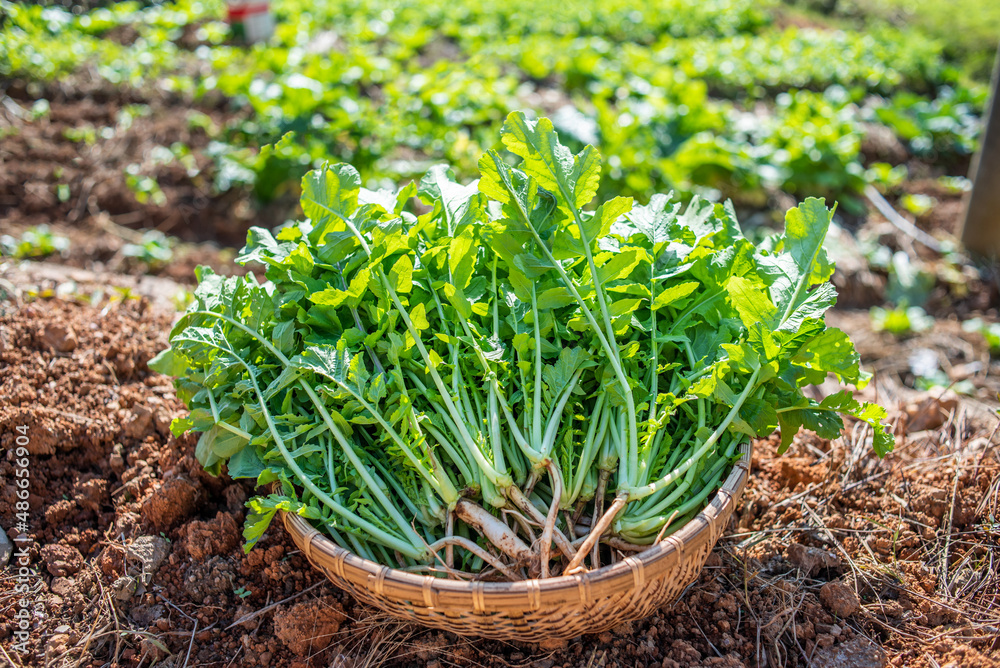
x=37, y=241
x=900, y=321
x=514, y=368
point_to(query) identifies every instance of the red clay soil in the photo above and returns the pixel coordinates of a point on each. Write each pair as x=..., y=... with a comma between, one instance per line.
x=69, y=169
x=87, y=146
x=832, y=555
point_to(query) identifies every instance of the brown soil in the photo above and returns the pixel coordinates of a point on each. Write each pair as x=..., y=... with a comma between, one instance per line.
x=831, y=553
x=72, y=165
x=97, y=244
x=961, y=355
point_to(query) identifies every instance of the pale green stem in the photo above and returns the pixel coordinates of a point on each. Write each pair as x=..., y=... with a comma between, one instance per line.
x=376, y=533
x=635, y=493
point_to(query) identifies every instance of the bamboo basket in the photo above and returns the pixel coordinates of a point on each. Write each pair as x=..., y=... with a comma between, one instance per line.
x=534, y=610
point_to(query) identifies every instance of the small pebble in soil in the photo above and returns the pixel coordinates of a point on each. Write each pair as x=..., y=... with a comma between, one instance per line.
x=839, y=599
x=150, y=551
x=123, y=588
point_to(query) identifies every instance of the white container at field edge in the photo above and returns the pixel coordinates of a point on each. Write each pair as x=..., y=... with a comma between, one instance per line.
x=250, y=20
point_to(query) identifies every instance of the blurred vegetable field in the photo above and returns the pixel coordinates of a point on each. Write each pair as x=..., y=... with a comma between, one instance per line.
x=724, y=98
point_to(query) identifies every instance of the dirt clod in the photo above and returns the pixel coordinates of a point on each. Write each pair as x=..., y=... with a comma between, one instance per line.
x=839, y=598
x=58, y=337
x=138, y=424
x=148, y=615
x=207, y=539
x=309, y=624
x=62, y=559
x=64, y=587
x=800, y=470
x=153, y=650
x=212, y=578
x=811, y=560
x=170, y=503
x=91, y=494
x=930, y=410
x=6, y=548
x=56, y=646
x=123, y=588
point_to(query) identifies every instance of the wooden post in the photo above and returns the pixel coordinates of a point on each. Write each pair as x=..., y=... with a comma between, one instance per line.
x=981, y=227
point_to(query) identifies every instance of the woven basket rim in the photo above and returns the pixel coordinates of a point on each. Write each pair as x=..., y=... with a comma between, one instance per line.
x=632, y=572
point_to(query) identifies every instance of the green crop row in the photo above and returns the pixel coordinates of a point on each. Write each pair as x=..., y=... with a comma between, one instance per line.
x=701, y=97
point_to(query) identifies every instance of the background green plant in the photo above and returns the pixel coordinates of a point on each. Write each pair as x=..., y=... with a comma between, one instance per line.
x=711, y=98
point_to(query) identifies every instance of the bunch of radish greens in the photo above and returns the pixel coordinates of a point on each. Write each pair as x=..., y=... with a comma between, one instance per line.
x=506, y=381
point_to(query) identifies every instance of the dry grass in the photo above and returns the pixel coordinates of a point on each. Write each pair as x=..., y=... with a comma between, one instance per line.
x=923, y=588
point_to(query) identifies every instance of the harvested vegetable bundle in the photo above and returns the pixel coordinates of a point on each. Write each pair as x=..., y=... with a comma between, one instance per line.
x=509, y=379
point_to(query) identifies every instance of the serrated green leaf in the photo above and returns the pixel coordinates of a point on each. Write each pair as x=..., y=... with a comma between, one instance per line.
x=245, y=464
x=805, y=231
x=283, y=335
x=573, y=179
x=599, y=224
x=462, y=256
x=329, y=196
x=621, y=265
x=169, y=362
x=555, y=298
x=457, y=298
x=349, y=297
x=180, y=426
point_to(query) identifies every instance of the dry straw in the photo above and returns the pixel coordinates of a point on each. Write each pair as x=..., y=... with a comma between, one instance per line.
x=534, y=610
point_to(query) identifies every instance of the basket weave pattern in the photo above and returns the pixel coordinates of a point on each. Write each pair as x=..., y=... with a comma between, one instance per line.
x=533, y=610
